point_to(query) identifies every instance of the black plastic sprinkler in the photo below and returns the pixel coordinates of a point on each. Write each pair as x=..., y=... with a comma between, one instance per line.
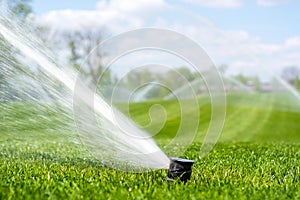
x=180, y=169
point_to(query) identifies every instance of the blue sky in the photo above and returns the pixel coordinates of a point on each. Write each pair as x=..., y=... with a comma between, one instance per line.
x=245, y=35
x=42, y=6
x=271, y=23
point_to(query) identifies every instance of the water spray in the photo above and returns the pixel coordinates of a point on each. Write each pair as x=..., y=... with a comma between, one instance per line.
x=117, y=142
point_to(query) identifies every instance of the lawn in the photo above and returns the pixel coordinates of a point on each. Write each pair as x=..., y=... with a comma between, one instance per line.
x=257, y=156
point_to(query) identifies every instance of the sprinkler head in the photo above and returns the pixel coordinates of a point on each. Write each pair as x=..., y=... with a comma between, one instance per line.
x=180, y=169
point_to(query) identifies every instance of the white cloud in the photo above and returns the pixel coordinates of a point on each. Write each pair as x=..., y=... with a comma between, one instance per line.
x=217, y=3
x=236, y=48
x=142, y=7
x=268, y=48
x=271, y=2
x=292, y=42
x=119, y=15
x=242, y=52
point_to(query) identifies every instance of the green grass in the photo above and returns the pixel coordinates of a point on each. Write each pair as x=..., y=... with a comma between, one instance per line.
x=257, y=156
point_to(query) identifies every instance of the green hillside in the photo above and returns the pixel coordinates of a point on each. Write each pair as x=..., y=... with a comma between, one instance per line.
x=257, y=156
x=249, y=118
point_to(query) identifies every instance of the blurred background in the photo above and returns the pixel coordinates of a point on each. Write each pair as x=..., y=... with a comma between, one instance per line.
x=255, y=46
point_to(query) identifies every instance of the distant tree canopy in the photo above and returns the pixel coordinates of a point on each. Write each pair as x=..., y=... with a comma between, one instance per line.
x=249, y=80
x=20, y=8
x=172, y=79
x=85, y=54
x=292, y=74
x=9, y=63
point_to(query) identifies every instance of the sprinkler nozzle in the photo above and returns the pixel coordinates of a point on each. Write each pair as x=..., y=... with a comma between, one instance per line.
x=180, y=168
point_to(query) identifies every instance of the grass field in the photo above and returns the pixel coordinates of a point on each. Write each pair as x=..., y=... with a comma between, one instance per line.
x=257, y=156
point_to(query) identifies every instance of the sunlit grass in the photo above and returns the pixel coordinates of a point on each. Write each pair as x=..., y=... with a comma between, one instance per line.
x=257, y=157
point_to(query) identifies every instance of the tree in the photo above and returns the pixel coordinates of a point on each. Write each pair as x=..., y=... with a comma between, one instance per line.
x=290, y=73
x=85, y=54
x=9, y=64
x=251, y=81
x=256, y=84
x=241, y=78
x=138, y=77
x=19, y=8
x=186, y=73
x=296, y=83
